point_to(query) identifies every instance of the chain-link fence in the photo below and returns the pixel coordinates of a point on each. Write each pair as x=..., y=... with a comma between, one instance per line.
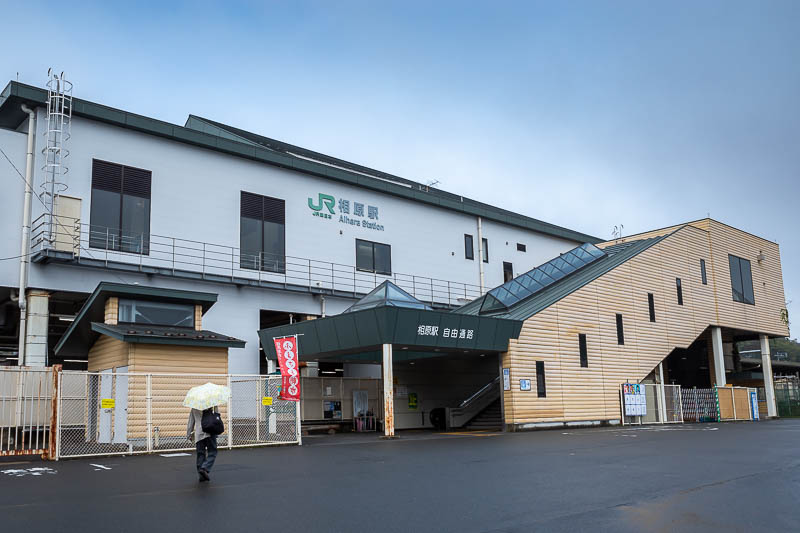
x=787, y=399
x=672, y=404
x=107, y=413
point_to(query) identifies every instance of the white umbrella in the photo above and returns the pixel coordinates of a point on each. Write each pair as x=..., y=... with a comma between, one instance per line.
x=207, y=396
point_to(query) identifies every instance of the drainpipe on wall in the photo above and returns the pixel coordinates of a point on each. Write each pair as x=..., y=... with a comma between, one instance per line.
x=24, y=260
x=480, y=253
x=322, y=305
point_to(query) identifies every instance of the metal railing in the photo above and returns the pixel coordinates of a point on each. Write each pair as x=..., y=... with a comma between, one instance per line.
x=472, y=406
x=196, y=259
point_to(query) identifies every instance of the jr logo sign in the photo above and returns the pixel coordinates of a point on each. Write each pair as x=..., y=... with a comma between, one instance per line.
x=324, y=206
x=325, y=200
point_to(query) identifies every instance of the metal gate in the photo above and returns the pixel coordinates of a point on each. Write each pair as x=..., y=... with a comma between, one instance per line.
x=700, y=405
x=108, y=413
x=27, y=410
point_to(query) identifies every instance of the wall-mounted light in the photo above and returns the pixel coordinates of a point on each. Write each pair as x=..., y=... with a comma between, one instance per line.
x=760, y=257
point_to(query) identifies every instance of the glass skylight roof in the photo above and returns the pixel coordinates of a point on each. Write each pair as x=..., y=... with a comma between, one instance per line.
x=387, y=293
x=529, y=283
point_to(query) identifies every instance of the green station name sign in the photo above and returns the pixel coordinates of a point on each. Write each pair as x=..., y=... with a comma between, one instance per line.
x=353, y=213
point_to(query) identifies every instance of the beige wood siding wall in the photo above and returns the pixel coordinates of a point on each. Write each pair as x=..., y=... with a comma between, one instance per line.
x=198, y=317
x=178, y=359
x=551, y=336
x=169, y=415
x=108, y=353
x=764, y=316
x=112, y=310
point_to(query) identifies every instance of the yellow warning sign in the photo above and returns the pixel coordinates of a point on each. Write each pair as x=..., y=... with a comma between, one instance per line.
x=266, y=400
x=107, y=403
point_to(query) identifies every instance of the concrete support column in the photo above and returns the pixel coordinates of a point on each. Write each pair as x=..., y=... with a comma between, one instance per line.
x=38, y=311
x=662, y=393
x=769, y=385
x=388, y=392
x=719, y=357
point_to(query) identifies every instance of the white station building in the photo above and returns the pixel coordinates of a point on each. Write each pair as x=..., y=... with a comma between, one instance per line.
x=280, y=233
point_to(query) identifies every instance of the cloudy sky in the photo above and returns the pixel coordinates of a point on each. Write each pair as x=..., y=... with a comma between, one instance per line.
x=584, y=114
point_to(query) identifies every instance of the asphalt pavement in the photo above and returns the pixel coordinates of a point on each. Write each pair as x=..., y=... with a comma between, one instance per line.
x=706, y=477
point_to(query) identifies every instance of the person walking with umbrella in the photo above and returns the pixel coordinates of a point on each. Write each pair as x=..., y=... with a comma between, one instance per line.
x=205, y=423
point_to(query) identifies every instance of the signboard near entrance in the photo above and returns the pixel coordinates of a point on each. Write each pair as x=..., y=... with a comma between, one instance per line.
x=412, y=401
x=506, y=379
x=286, y=348
x=635, y=399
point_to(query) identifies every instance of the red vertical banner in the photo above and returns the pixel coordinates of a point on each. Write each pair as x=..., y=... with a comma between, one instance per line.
x=286, y=348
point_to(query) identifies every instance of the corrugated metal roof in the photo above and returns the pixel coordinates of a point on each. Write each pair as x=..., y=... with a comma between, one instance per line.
x=617, y=255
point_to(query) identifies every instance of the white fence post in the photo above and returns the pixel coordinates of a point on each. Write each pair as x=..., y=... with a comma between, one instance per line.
x=297, y=423
x=230, y=415
x=149, y=409
x=58, y=416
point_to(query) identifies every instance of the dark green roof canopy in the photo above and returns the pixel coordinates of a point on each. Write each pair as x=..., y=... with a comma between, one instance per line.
x=358, y=335
x=82, y=334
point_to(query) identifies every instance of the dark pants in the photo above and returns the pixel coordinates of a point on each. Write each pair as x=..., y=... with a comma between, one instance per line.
x=206, y=452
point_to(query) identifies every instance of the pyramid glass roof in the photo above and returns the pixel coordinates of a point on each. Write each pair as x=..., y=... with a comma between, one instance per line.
x=387, y=294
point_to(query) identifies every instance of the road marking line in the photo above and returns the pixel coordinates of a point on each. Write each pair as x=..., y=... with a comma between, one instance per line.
x=174, y=454
x=99, y=467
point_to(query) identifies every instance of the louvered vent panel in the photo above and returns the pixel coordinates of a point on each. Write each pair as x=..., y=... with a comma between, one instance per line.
x=274, y=210
x=136, y=182
x=106, y=176
x=251, y=205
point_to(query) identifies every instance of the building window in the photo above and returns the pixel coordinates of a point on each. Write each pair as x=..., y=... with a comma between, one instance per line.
x=469, y=250
x=651, y=305
x=508, y=271
x=521, y=247
x=120, y=209
x=620, y=332
x=703, y=277
x=583, y=351
x=741, y=280
x=262, y=233
x=679, y=289
x=374, y=257
x=541, y=387
x=485, y=250
x=156, y=313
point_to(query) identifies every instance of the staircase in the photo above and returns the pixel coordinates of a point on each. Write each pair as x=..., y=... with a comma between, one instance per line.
x=489, y=418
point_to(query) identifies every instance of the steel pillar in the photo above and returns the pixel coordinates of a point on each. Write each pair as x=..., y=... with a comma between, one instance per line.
x=719, y=357
x=769, y=384
x=388, y=392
